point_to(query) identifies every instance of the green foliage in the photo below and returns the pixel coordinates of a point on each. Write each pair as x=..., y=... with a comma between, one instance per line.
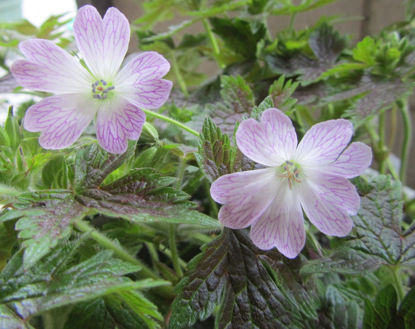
x=232, y=273
x=378, y=223
x=146, y=213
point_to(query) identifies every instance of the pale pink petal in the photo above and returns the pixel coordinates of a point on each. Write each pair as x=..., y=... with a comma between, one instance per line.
x=246, y=194
x=117, y=122
x=145, y=66
x=102, y=43
x=324, y=142
x=49, y=68
x=352, y=162
x=335, y=190
x=328, y=217
x=150, y=94
x=281, y=226
x=271, y=141
x=61, y=119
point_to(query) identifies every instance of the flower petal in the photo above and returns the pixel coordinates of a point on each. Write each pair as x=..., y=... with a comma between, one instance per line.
x=49, y=68
x=281, y=226
x=269, y=142
x=116, y=123
x=352, y=162
x=61, y=120
x=146, y=66
x=102, y=43
x=328, y=217
x=336, y=190
x=149, y=94
x=324, y=142
x=246, y=194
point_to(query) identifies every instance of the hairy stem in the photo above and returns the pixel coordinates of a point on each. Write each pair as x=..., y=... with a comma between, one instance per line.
x=407, y=135
x=213, y=41
x=172, y=121
x=172, y=227
x=180, y=80
x=381, y=143
x=107, y=243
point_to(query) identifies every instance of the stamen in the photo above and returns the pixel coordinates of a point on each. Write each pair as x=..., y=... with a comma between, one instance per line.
x=101, y=89
x=290, y=171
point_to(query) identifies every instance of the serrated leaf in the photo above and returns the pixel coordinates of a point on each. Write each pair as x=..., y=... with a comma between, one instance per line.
x=216, y=156
x=93, y=165
x=45, y=224
x=365, y=51
x=382, y=313
x=407, y=308
x=373, y=95
x=343, y=261
x=145, y=196
x=378, y=222
x=230, y=273
x=53, y=284
x=290, y=8
x=237, y=101
x=10, y=320
x=241, y=36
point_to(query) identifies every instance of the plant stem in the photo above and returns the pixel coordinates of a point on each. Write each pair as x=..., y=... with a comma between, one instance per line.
x=172, y=121
x=179, y=77
x=381, y=144
x=213, y=41
x=172, y=227
x=397, y=281
x=107, y=243
x=407, y=135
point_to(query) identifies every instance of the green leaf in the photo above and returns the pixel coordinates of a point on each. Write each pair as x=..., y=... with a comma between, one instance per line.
x=56, y=282
x=365, y=51
x=55, y=174
x=407, y=308
x=231, y=273
x=239, y=35
x=382, y=314
x=290, y=8
x=237, y=101
x=378, y=222
x=10, y=320
x=326, y=44
x=145, y=196
x=93, y=165
x=342, y=261
x=45, y=223
x=216, y=156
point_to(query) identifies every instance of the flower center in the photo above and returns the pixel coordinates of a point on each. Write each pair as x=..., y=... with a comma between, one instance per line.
x=290, y=171
x=101, y=89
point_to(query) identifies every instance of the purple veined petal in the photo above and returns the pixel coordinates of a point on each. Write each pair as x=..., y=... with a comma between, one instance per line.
x=281, y=226
x=246, y=196
x=150, y=94
x=335, y=190
x=49, y=68
x=271, y=141
x=324, y=142
x=352, y=162
x=61, y=120
x=146, y=66
x=116, y=123
x=103, y=43
x=328, y=217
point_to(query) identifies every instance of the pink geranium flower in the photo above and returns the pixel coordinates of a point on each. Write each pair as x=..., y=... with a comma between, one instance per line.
x=104, y=91
x=311, y=177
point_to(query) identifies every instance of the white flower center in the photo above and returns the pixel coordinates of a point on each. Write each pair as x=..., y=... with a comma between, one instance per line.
x=101, y=89
x=290, y=171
